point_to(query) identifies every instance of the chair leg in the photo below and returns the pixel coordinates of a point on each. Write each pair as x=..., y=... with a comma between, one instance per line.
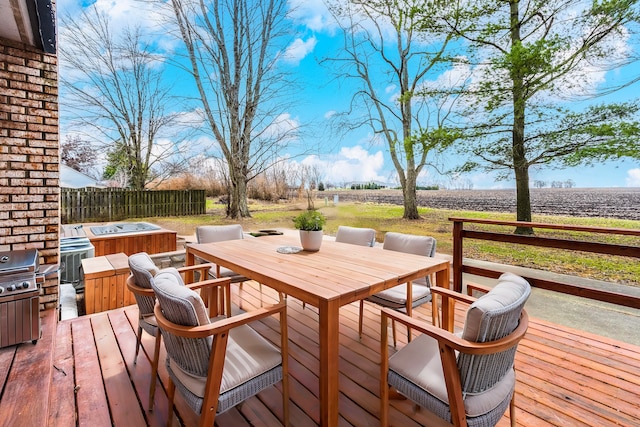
x=154, y=370
x=393, y=327
x=512, y=409
x=171, y=392
x=360, y=319
x=138, y=343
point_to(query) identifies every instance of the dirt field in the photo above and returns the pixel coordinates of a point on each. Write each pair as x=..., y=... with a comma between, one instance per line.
x=621, y=203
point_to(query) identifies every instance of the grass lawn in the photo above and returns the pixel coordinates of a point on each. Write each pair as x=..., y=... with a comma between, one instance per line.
x=434, y=222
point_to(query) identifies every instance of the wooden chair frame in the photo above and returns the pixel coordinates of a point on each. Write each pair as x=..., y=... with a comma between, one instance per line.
x=219, y=331
x=448, y=344
x=214, y=301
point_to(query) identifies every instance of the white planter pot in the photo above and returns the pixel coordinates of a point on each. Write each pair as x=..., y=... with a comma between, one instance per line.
x=311, y=240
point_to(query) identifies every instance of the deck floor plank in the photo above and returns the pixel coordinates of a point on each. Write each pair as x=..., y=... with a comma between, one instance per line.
x=565, y=377
x=62, y=407
x=29, y=376
x=92, y=405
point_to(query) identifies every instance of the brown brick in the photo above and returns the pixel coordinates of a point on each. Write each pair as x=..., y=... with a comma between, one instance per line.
x=11, y=59
x=45, y=143
x=41, y=128
x=34, y=103
x=23, y=149
x=20, y=133
x=14, y=174
x=27, y=214
x=26, y=182
x=43, y=174
x=29, y=87
x=16, y=158
x=15, y=93
x=43, y=206
x=12, y=108
x=23, y=51
x=27, y=166
x=20, y=69
x=15, y=190
x=13, y=240
x=28, y=198
x=16, y=224
x=8, y=124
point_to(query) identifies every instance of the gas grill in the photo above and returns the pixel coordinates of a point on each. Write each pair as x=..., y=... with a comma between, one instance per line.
x=19, y=297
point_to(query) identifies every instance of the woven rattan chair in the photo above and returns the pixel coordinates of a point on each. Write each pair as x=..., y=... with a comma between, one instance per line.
x=398, y=297
x=143, y=269
x=216, y=365
x=467, y=379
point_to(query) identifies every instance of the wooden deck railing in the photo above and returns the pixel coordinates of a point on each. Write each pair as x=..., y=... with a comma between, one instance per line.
x=459, y=233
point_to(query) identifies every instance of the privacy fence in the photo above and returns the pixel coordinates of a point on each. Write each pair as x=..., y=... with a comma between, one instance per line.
x=115, y=204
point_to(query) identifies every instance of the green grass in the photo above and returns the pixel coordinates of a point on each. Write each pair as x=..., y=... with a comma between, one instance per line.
x=435, y=222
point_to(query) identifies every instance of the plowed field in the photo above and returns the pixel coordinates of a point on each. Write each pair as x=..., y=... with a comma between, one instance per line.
x=622, y=203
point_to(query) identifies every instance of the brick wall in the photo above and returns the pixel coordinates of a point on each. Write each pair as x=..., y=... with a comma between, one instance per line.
x=29, y=156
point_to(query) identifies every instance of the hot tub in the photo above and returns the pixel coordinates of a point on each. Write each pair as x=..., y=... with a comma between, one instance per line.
x=123, y=227
x=130, y=238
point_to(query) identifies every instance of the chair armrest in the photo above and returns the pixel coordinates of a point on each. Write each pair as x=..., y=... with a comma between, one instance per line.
x=477, y=287
x=448, y=293
x=210, y=283
x=202, y=268
x=219, y=326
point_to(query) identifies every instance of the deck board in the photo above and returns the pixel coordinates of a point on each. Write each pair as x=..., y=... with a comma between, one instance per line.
x=565, y=377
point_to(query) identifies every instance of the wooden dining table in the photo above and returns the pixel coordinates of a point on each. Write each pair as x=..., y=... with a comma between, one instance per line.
x=336, y=275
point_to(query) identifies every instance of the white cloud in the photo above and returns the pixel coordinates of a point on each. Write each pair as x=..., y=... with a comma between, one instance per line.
x=354, y=164
x=330, y=114
x=298, y=50
x=633, y=177
x=313, y=14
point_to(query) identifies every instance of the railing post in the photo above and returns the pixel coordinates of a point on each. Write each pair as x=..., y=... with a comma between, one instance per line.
x=457, y=255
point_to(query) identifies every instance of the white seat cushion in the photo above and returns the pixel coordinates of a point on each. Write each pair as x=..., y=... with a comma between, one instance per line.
x=398, y=294
x=248, y=355
x=409, y=363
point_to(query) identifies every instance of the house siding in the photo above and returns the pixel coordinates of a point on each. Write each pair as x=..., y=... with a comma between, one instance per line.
x=29, y=157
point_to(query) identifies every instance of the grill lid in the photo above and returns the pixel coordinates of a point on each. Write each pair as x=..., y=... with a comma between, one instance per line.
x=21, y=261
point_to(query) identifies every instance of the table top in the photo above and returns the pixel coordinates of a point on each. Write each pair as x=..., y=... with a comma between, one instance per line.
x=338, y=271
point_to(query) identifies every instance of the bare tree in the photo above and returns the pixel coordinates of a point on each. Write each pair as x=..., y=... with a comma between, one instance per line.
x=77, y=154
x=384, y=48
x=232, y=48
x=112, y=86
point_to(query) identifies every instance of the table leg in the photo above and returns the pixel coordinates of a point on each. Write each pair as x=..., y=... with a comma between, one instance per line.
x=329, y=312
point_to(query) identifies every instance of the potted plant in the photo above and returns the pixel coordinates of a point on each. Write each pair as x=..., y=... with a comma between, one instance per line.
x=310, y=223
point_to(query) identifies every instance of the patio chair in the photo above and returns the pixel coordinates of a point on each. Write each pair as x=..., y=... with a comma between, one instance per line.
x=143, y=269
x=216, y=365
x=221, y=233
x=356, y=235
x=467, y=379
x=398, y=297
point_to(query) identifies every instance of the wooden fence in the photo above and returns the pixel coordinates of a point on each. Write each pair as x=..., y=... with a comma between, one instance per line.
x=115, y=204
x=633, y=251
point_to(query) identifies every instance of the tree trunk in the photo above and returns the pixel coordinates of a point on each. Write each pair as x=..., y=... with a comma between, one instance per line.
x=238, y=207
x=520, y=164
x=410, y=197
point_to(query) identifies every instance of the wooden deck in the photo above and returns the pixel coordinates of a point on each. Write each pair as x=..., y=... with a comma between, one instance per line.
x=81, y=372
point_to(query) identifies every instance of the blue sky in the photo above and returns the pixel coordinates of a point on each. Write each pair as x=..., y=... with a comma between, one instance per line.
x=356, y=156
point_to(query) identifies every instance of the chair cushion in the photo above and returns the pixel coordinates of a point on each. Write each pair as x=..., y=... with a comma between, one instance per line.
x=218, y=233
x=409, y=243
x=143, y=269
x=509, y=294
x=248, y=355
x=226, y=273
x=142, y=262
x=396, y=297
x=182, y=306
x=356, y=235
x=419, y=363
